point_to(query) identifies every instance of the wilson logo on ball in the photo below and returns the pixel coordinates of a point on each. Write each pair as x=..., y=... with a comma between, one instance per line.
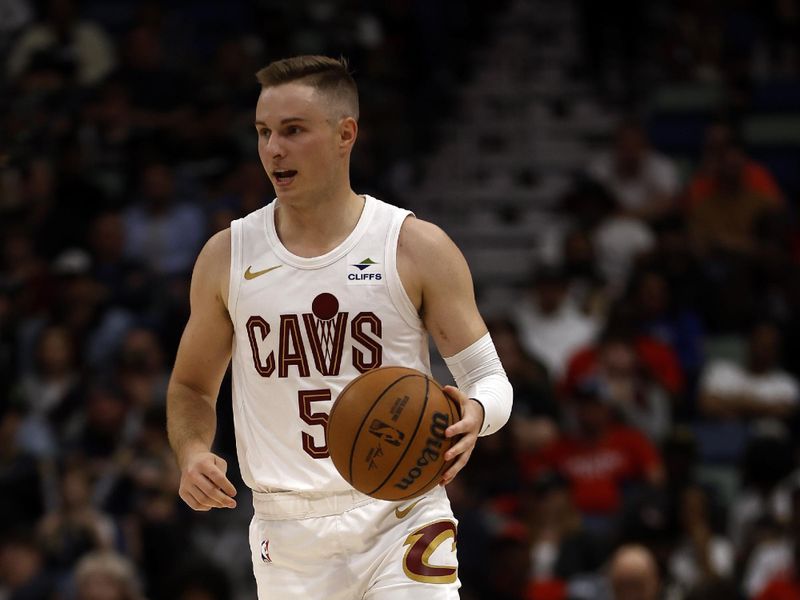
x=430, y=452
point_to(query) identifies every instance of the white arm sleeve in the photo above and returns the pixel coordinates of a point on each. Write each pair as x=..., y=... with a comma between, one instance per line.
x=479, y=374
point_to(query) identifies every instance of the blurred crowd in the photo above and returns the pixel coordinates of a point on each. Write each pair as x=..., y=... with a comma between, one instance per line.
x=652, y=452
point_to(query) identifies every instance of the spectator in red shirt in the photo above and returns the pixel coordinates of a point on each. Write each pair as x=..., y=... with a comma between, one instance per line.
x=729, y=197
x=656, y=359
x=720, y=140
x=599, y=458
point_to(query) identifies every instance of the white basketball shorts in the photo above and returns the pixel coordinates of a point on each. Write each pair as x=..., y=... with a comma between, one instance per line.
x=348, y=546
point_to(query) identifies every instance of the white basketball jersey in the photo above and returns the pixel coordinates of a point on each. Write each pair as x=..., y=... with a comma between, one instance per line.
x=303, y=329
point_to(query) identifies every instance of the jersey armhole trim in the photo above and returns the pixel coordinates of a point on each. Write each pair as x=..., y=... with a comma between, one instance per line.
x=397, y=292
x=235, y=280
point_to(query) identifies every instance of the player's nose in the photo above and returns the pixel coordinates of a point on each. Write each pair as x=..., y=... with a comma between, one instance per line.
x=274, y=148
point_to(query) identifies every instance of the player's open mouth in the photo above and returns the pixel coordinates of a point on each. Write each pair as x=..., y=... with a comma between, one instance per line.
x=284, y=177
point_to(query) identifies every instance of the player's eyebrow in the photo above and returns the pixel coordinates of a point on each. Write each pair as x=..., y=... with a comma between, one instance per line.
x=284, y=121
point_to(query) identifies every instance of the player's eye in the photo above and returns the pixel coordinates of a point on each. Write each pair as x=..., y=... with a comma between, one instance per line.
x=263, y=132
x=293, y=129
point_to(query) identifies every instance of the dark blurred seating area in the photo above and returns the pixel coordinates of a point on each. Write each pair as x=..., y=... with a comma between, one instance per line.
x=622, y=176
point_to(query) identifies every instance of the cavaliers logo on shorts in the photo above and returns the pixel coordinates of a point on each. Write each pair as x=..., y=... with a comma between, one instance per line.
x=422, y=543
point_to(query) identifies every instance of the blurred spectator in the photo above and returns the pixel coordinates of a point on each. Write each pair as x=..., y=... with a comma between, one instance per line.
x=551, y=326
x=158, y=92
x=62, y=213
x=765, y=495
x=51, y=393
x=673, y=257
x=656, y=361
x=23, y=575
x=75, y=527
x=141, y=369
x=81, y=306
x=561, y=548
x=729, y=196
x=785, y=586
x=757, y=388
x=703, y=555
x=663, y=318
x=109, y=135
x=587, y=287
x=724, y=155
x=599, y=459
x=21, y=478
x=633, y=574
x=644, y=182
x=105, y=430
x=617, y=238
x=125, y=282
x=626, y=385
x=771, y=558
x=106, y=576
x=536, y=412
x=507, y=571
x=69, y=39
x=161, y=231
x=15, y=14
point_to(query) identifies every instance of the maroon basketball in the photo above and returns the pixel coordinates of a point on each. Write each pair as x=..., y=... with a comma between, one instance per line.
x=386, y=432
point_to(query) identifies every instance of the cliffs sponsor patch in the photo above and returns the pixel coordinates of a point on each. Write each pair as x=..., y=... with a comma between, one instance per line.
x=364, y=270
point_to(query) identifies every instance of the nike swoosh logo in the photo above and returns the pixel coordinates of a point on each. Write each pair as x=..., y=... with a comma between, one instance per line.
x=253, y=274
x=400, y=513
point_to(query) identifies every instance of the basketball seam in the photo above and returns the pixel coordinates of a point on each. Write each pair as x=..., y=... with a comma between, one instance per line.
x=450, y=404
x=364, y=420
x=413, y=437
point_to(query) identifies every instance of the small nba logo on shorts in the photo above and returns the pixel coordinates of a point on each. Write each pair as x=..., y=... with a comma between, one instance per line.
x=265, y=552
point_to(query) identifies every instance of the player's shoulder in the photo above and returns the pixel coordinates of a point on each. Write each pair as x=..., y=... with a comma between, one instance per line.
x=217, y=249
x=212, y=267
x=420, y=237
x=427, y=251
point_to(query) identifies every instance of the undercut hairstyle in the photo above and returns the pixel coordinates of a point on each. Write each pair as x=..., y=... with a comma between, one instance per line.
x=328, y=76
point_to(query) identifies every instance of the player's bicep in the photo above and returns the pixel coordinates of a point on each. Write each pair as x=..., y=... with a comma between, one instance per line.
x=448, y=307
x=205, y=347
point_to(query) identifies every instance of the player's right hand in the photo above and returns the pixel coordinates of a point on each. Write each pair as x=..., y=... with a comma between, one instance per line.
x=204, y=485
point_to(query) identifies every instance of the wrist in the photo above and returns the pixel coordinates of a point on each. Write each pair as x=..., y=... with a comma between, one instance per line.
x=188, y=452
x=483, y=412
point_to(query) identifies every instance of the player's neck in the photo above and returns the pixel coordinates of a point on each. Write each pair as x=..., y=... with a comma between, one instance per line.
x=315, y=228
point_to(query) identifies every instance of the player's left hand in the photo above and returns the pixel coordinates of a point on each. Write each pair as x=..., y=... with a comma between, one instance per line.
x=468, y=428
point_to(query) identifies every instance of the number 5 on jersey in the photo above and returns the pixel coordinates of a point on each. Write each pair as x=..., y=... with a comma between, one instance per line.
x=305, y=399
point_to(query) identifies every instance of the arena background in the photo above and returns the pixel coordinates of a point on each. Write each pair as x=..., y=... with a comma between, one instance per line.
x=622, y=176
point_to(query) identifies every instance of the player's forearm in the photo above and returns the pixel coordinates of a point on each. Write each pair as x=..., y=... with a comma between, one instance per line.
x=191, y=422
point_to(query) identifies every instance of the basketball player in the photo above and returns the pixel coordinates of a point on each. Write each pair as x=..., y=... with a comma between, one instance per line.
x=303, y=295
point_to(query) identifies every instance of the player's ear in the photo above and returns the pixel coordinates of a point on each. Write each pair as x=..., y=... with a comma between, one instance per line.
x=348, y=131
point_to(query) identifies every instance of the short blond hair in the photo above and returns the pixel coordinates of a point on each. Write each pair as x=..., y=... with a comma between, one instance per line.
x=330, y=76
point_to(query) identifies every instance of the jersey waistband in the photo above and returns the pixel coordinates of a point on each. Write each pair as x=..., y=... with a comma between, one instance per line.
x=280, y=506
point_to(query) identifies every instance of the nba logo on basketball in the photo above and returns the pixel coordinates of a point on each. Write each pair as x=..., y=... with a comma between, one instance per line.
x=265, y=552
